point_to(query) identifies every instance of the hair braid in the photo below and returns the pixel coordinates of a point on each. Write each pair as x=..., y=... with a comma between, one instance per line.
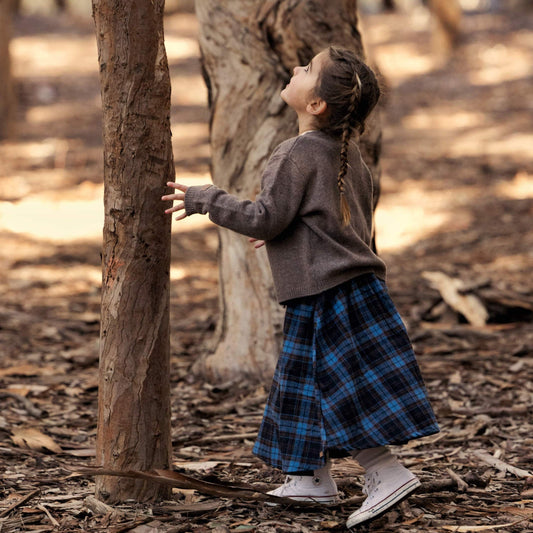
x=351, y=91
x=347, y=132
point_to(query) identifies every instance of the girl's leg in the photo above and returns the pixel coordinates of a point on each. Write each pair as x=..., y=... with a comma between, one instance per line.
x=317, y=485
x=387, y=483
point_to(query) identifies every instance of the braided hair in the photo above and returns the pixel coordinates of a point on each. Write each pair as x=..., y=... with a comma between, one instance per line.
x=350, y=89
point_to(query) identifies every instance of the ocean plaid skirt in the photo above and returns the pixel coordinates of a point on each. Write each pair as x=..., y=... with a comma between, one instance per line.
x=346, y=379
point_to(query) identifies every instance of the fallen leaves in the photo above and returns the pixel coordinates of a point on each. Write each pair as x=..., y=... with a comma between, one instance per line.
x=34, y=439
x=478, y=369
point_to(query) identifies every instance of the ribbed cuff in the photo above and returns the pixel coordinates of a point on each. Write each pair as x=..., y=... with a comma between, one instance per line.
x=195, y=200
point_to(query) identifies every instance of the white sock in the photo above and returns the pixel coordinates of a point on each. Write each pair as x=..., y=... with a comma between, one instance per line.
x=373, y=458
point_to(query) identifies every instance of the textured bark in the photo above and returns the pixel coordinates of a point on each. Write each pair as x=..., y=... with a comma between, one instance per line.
x=6, y=87
x=249, y=48
x=134, y=396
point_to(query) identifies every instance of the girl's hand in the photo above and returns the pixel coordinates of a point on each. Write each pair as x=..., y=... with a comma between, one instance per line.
x=257, y=242
x=176, y=196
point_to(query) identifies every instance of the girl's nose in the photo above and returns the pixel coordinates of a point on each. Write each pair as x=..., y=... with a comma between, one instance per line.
x=296, y=69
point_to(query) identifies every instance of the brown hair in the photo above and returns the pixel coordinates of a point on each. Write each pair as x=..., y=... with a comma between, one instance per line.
x=351, y=90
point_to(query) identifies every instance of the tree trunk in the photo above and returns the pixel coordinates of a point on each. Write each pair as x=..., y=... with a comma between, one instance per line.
x=134, y=388
x=6, y=86
x=447, y=15
x=248, y=52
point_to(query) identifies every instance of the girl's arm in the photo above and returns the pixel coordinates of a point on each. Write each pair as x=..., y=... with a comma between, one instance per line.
x=273, y=210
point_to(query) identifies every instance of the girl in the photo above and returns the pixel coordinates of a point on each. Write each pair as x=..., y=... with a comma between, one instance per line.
x=346, y=381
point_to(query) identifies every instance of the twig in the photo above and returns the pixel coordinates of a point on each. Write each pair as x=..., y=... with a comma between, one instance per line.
x=22, y=501
x=28, y=405
x=224, y=438
x=462, y=485
x=495, y=411
x=500, y=465
x=43, y=508
x=98, y=507
x=473, y=529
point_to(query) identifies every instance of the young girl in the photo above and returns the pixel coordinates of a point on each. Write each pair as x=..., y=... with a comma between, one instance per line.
x=346, y=382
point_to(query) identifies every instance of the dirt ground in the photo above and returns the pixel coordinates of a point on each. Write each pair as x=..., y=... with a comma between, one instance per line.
x=454, y=224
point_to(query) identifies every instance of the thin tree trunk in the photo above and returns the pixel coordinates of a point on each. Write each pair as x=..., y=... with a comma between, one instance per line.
x=447, y=15
x=249, y=49
x=6, y=84
x=134, y=395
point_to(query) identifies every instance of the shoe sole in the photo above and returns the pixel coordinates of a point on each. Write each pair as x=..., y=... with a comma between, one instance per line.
x=324, y=500
x=384, y=505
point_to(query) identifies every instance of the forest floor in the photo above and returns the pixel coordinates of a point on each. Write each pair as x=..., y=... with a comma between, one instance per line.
x=454, y=224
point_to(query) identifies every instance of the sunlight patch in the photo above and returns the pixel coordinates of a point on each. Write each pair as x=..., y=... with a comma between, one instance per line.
x=520, y=188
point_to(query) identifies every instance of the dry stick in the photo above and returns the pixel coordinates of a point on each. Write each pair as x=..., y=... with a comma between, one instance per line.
x=182, y=481
x=223, y=438
x=495, y=411
x=500, y=465
x=462, y=485
x=28, y=405
x=22, y=501
x=48, y=514
x=178, y=480
x=98, y=507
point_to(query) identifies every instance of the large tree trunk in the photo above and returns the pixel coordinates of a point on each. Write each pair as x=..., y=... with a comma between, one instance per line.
x=134, y=388
x=249, y=49
x=6, y=87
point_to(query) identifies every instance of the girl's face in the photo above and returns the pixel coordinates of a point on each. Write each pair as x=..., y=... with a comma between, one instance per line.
x=299, y=92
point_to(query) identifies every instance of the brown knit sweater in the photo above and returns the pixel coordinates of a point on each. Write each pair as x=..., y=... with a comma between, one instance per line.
x=297, y=213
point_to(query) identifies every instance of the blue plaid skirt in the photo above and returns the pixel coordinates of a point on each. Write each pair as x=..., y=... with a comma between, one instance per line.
x=346, y=379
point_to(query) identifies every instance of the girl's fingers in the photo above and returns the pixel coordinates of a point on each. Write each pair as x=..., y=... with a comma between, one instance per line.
x=178, y=186
x=177, y=196
x=175, y=208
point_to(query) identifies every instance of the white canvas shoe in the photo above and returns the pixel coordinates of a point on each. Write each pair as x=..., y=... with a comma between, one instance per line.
x=384, y=488
x=320, y=487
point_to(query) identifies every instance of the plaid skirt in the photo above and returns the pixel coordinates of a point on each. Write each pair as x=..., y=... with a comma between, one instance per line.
x=346, y=379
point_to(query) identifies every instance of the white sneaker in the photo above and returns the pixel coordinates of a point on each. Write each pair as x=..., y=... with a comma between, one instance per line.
x=320, y=487
x=384, y=488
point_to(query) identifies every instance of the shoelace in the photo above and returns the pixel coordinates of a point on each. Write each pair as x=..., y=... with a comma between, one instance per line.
x=372, y=482
x=291, y=481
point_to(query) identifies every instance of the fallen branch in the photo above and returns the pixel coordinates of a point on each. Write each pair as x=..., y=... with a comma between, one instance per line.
x=182, y=481
x=451, y=291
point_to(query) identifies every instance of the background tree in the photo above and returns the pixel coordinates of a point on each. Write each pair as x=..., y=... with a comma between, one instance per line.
x=446, y=16
x=6, y=87
x=248, y=52
x=134, y=405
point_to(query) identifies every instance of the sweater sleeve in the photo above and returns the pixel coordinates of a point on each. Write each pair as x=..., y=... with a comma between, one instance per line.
x=276, y=206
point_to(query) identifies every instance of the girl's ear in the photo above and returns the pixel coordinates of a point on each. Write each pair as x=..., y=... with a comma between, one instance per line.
x=316, y=106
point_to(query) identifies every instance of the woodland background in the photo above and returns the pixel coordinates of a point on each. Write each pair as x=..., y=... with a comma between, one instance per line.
x=457, y=200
